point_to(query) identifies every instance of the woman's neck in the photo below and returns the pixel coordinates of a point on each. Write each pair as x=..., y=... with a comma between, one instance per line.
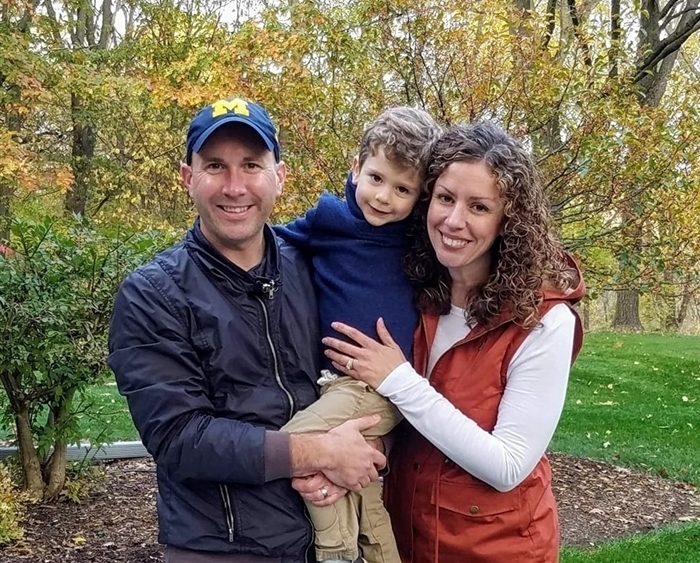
x=465, y=279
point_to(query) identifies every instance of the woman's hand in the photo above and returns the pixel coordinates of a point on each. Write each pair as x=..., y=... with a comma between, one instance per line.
x=368, y=360
x=318, y=489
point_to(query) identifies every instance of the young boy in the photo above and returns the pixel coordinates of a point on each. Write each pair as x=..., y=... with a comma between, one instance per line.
x=356, y=246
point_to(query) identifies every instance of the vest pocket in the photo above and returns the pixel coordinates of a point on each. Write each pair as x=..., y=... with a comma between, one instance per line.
x=475, y=501
x=477, y=523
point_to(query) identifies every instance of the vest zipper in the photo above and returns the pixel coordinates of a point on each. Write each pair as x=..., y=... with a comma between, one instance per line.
x=223, y=489
x=278, y=378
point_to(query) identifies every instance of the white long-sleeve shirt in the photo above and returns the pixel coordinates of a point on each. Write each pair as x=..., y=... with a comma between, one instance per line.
x=528, y=414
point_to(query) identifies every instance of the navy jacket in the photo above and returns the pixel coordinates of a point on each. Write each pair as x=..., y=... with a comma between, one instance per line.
x=210, y=357
x=357, y=268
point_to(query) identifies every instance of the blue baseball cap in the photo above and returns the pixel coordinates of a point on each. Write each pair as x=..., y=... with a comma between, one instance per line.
x=231, y=110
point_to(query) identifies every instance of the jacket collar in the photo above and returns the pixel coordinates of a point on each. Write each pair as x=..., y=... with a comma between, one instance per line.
x=264, y=279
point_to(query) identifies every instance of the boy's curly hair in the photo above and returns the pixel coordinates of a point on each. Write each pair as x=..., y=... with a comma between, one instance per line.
x=526, y=255
x=406, y=135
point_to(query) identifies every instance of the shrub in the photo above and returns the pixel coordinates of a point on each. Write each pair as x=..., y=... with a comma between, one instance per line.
x=56, y=295
x=11, y=508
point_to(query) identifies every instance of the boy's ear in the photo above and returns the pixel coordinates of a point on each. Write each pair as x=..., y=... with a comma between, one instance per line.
x=355, y=169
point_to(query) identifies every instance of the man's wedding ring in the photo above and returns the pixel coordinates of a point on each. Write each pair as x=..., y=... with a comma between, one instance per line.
x=349, y=364
x=324, y=492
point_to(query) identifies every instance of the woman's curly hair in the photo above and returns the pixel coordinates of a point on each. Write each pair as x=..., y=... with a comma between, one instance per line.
x=526, y=255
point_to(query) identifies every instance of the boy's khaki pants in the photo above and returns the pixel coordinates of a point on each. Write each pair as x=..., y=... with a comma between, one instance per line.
x=357, y=525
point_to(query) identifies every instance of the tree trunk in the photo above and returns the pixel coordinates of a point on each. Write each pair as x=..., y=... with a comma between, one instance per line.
x=684, y=308
x=56, y=468
x=6, y=192
x=82, y=155
x=31, y=468
x=14, y=122
x=627, y=311
x=586, y=313
x=56, y=471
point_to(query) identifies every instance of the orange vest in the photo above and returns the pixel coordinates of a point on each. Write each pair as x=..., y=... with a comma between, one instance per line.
x=439, y=512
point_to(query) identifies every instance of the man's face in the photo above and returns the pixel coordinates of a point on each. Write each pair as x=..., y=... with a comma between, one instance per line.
x=234, y=182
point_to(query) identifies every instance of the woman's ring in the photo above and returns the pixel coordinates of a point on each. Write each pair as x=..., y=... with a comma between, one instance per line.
x=324, y=492
x=349, y=364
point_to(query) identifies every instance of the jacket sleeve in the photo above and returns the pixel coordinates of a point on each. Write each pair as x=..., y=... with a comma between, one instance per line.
x=299, y=233
x=158, y=371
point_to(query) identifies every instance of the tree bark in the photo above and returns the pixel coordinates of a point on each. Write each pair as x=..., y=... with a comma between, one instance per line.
x=6, y=193
x=56, y=468
x=586, y=313
x=684, y=308
x=627, y=311
x=14, y=122
x=31, y=467
x=81, y=158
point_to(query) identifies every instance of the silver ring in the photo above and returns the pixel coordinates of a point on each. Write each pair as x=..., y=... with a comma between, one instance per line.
x=324, y=492
x=348, y=365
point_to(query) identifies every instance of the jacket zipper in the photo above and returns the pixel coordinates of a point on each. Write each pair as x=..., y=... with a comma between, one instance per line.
x=227, y=509
x=307, y=551
x=274, y=356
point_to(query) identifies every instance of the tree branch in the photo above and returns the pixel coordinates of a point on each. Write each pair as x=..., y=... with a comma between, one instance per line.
x=550, y=16
x=579, y=34
x=668, y=8
x=669, y=45
x=107, y=24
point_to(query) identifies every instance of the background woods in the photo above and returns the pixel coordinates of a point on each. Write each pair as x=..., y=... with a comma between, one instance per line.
x=95, y=96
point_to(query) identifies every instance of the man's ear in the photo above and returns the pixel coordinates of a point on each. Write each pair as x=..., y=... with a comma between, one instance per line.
x=355, y=169
x=186, y=176
x=281, y=171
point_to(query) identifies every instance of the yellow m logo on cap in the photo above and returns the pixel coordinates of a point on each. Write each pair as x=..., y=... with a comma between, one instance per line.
x=236, y=105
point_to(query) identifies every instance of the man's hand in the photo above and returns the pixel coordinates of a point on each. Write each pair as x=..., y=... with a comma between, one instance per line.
x=342, y=454
x=357, y=463
x=318, y=489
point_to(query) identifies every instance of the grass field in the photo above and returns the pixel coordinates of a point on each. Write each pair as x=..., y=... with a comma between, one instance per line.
x=674, y=545
x=633, y=400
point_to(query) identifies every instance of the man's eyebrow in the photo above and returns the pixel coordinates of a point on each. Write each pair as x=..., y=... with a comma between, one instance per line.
x=211, y=158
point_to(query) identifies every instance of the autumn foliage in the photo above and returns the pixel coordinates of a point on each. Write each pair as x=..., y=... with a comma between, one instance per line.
x=95, y=99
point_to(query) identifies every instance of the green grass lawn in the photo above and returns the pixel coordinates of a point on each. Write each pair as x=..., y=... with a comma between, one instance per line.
x=112, y=413
x=677, y=544
x=109, y=420
x=634, y=400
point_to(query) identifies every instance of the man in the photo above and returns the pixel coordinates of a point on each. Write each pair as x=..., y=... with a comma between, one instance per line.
x=215, y=344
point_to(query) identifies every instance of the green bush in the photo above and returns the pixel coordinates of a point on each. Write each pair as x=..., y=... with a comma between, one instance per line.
x=56, y=296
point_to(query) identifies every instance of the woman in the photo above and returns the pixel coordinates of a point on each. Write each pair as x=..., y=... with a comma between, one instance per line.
x=470, y=479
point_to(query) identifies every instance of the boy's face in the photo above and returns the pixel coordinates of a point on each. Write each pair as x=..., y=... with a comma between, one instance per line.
x=386, y=192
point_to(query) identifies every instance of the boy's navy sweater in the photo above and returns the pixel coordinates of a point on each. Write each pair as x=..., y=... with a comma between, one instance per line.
x=357, y=269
